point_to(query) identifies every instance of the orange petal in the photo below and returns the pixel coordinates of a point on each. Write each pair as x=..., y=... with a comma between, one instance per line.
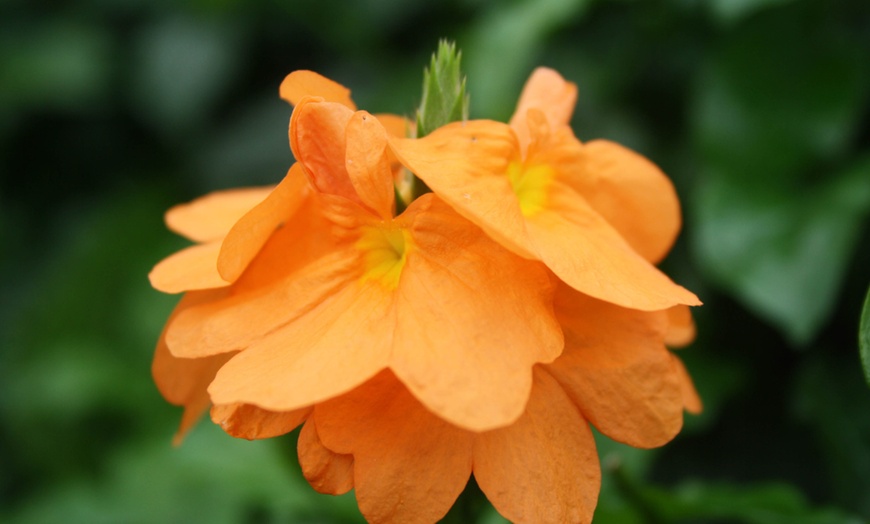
x=631, y=193
x=396, y=126
x=250, y=422
x=472, y=320
x=342, y=342
x=327, y=472
x=319, y=141
x=299, y=84
x=681, y=327
x=368, y=164
x=691, y=399
x=183, y=381
x=583, y=250
x=617, y=370
x=544, y=467
x=301, y=266
x=252, y=230
x=409, y=465
x=465, y=163
x=210, y=217
x=191, y=268
x=548, y=92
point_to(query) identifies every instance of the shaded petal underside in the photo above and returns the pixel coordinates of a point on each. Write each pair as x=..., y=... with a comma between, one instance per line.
x=409, y=464
x=250, y=422
x=183, y=381
x=617, y=370
x=589, y=255
x=327, y=472
x=631, y=193
x=681, y=327
x=544, y=467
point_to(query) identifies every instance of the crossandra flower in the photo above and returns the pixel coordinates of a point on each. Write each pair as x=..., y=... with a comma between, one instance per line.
x=593, y=213
x=419, y=349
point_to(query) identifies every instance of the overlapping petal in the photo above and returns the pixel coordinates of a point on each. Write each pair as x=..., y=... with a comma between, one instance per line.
x=454, y=350
x=327, y=472
x=548, y=92
x=466, y=164
x=409, y=465
x=250, y=233
x=250, y=422
x=617, y=370
x=544, y=467
x=192, y=268
x=183, y=381
x=212, y=216
x=300, y=84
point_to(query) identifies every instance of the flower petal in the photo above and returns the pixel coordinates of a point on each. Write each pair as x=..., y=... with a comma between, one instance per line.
x=250, y=422
x=327, y=472
x=631, y=193
x=617, y=370
x=252, y=230
x=396, y=126
x=183, y=381
x=465, y=163
x=342, y=342
x=583, y=250
x=299, y=84
x=368, y=164
x=547, y=91
x=210, y=217
x=319, y=140
x=544, y=467
x=681, y=327
x=190, y=269
x=472, y=320
x=409, y=465
x=691, y=399
x=300, y=266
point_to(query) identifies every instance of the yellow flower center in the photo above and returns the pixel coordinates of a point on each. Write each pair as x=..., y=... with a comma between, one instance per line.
x=385, y=251
x=530, y=184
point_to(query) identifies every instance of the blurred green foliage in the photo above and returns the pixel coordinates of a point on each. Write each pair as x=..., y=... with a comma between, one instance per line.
x=113, y=110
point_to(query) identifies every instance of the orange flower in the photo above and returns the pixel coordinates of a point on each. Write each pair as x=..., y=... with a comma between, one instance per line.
x=591, y=213
x=342, y=268
x=416, y=349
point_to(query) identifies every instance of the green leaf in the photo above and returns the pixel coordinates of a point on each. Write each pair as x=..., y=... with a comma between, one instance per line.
x=780, y=95
x=444, y=96
x=511, y=34
x=780, y=203
x=830, y=399
x=783, y=253
x=864, y=337
x=730, y=11
x=210, y=478
x=762, y=504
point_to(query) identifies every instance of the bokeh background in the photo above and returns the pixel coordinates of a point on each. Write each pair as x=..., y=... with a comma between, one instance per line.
x=111, y=111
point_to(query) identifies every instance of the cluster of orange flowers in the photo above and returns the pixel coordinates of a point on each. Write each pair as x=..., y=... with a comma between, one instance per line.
x=480, y=331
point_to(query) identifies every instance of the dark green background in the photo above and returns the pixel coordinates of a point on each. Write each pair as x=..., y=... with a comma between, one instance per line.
x=113, y=110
